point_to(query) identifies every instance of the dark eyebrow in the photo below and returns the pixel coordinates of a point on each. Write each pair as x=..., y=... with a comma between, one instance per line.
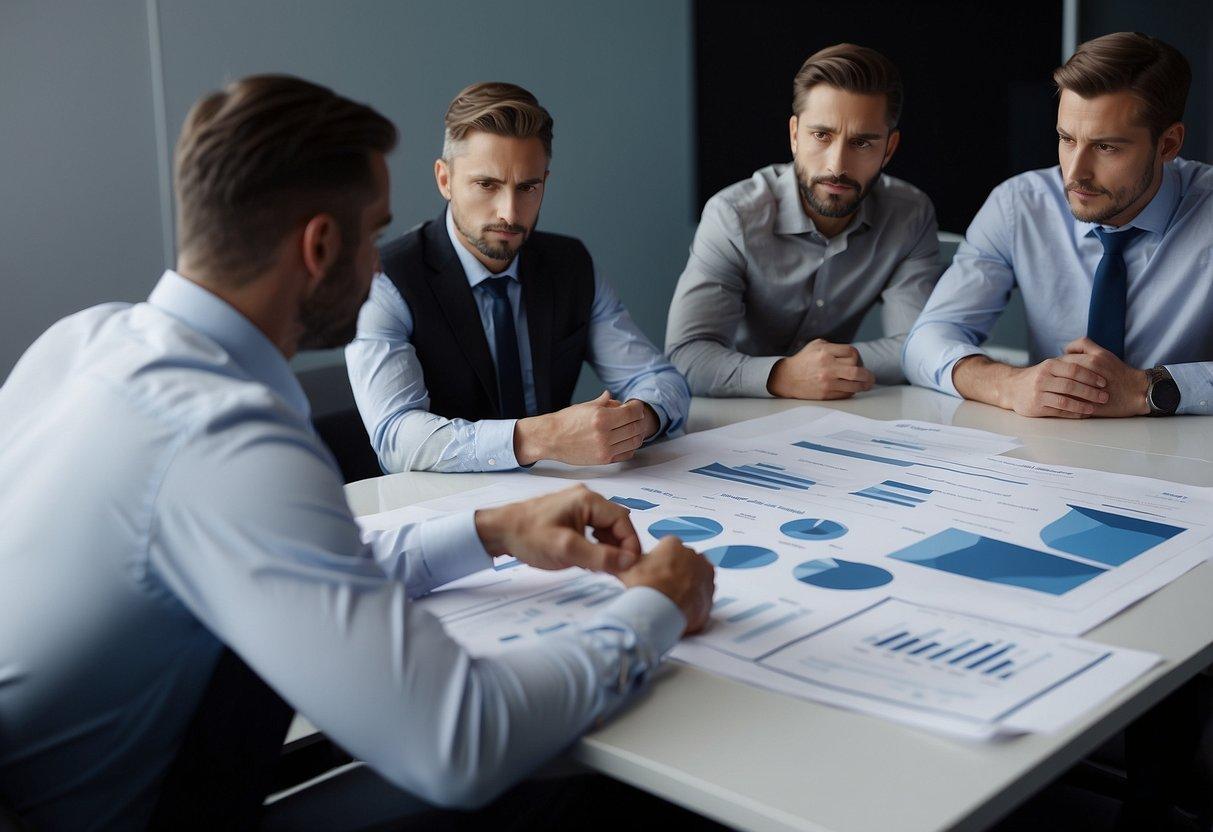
x=871, y=137
x=1112, y=140
x=538, y=181
x=821, y=128
x=484, y=177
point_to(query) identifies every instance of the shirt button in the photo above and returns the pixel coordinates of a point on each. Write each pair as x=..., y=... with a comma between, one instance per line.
x=492, y=462
x=821, y=302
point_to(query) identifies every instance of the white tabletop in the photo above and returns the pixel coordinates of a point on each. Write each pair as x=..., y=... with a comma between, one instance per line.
x=758, y=760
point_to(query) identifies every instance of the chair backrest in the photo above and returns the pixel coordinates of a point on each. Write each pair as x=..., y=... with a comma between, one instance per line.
x=338, y=422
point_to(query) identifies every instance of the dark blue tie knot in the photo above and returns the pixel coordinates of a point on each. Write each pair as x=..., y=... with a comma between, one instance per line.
x=499, y=286
x=1114, y=242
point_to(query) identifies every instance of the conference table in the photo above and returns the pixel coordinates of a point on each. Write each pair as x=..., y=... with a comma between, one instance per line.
x=759, y=760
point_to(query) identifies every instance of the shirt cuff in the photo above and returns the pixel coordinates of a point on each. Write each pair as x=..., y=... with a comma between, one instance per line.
x=451, y=548
x=944, y=382
x=753, y=375
x=663, y=419
x=1195, y=383
x=654, y=618
x=495, y=445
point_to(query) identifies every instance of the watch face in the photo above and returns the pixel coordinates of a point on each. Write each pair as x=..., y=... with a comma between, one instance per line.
x=1164, y=395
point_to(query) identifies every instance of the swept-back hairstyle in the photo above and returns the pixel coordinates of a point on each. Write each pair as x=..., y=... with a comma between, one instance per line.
x=852, y=68
x=262, y=154
x=498, y=108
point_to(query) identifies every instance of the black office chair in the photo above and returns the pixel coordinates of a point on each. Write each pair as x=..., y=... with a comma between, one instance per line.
x=338, y=422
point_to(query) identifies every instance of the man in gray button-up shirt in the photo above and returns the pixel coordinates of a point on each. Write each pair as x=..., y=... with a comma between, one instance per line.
x=786, y=264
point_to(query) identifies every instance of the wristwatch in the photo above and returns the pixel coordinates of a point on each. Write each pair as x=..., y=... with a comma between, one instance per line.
x=1162, y=393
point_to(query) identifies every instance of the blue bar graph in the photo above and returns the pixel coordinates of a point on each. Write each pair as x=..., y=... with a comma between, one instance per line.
x=991, y=657
x=971, y=653
x=1000, y=666
x=899, y=444
x=813, y=446
x=755, y=476
x=943, y=653
x=891, y=639
x=924, y=648
x=905, y=644
x=884, y=497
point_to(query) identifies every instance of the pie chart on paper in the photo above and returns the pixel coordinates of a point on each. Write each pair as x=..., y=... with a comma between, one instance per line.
x=810, y=528
x=686, y=529
x=740, y=557
x=835, y=573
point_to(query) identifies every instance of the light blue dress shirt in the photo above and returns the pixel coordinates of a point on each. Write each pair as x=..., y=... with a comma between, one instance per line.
x=1026, y=236
x=162, y=493
x=389, y=385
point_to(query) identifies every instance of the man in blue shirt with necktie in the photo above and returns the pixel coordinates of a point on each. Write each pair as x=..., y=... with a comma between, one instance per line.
x=1112, y=252
x=473, y=337
x=163, y=496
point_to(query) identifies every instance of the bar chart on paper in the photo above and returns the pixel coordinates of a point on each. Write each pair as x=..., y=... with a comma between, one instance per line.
x=752, y=627
x=935, y=660
x=543, y=613
x=760, y=475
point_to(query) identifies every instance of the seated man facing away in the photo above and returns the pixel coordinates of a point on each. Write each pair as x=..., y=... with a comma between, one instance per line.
x=163, y=495
x=1111, y=252
x=786, y=264
x=471, y=344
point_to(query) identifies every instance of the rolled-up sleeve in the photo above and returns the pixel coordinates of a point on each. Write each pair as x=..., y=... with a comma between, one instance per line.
x=968, y=299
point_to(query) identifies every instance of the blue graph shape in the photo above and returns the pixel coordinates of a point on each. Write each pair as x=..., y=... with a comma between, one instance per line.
x=1104, y=537
x=686, y=529
x=740, y=557
x=986, y=559
x=634, y=502
x=813, y=446
x=753, y=475
x=883, y=496
x=833, y=573
x=810, y=528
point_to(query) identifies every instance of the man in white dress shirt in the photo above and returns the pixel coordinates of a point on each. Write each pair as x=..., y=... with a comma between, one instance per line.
x=163, y=496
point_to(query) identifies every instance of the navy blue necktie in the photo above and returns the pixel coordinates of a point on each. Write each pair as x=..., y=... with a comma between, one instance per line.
x=1110, y=292
x=505, y=336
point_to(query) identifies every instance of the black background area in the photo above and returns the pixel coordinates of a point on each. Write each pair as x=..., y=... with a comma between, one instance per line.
x=979, y=102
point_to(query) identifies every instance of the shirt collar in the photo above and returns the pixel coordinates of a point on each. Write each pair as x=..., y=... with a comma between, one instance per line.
x=475, y=271
x=218, y=320
x=791, y=217
x=1155, y=217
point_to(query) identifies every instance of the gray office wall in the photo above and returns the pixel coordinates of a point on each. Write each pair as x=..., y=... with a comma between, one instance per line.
x=79, y=215
x=82, y=207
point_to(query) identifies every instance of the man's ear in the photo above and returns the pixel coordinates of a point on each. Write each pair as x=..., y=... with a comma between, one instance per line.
x=320, y=245
x=894, y=141
x=793, y=123
x=442, y=175
x=1171, y=141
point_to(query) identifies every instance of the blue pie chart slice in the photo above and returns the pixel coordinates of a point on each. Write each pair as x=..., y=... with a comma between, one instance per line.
x=686, y=529
x=740, y=557
x=833, y=573
x=810, y=528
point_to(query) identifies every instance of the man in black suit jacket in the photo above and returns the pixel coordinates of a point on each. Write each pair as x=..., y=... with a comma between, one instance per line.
x=470, y=345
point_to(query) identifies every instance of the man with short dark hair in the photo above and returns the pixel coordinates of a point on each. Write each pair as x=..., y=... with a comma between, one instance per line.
x=163, y=496
x=474, y=335
x=786, y=264
x=1110, y=251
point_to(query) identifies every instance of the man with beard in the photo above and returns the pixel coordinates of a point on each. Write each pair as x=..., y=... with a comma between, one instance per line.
x=786, y=264
x=164, y=496
x=1110, y=251
x=470, y=347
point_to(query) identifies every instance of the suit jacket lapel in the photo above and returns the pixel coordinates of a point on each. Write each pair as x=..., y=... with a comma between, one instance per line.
x=450, y=286
x=537, y=299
